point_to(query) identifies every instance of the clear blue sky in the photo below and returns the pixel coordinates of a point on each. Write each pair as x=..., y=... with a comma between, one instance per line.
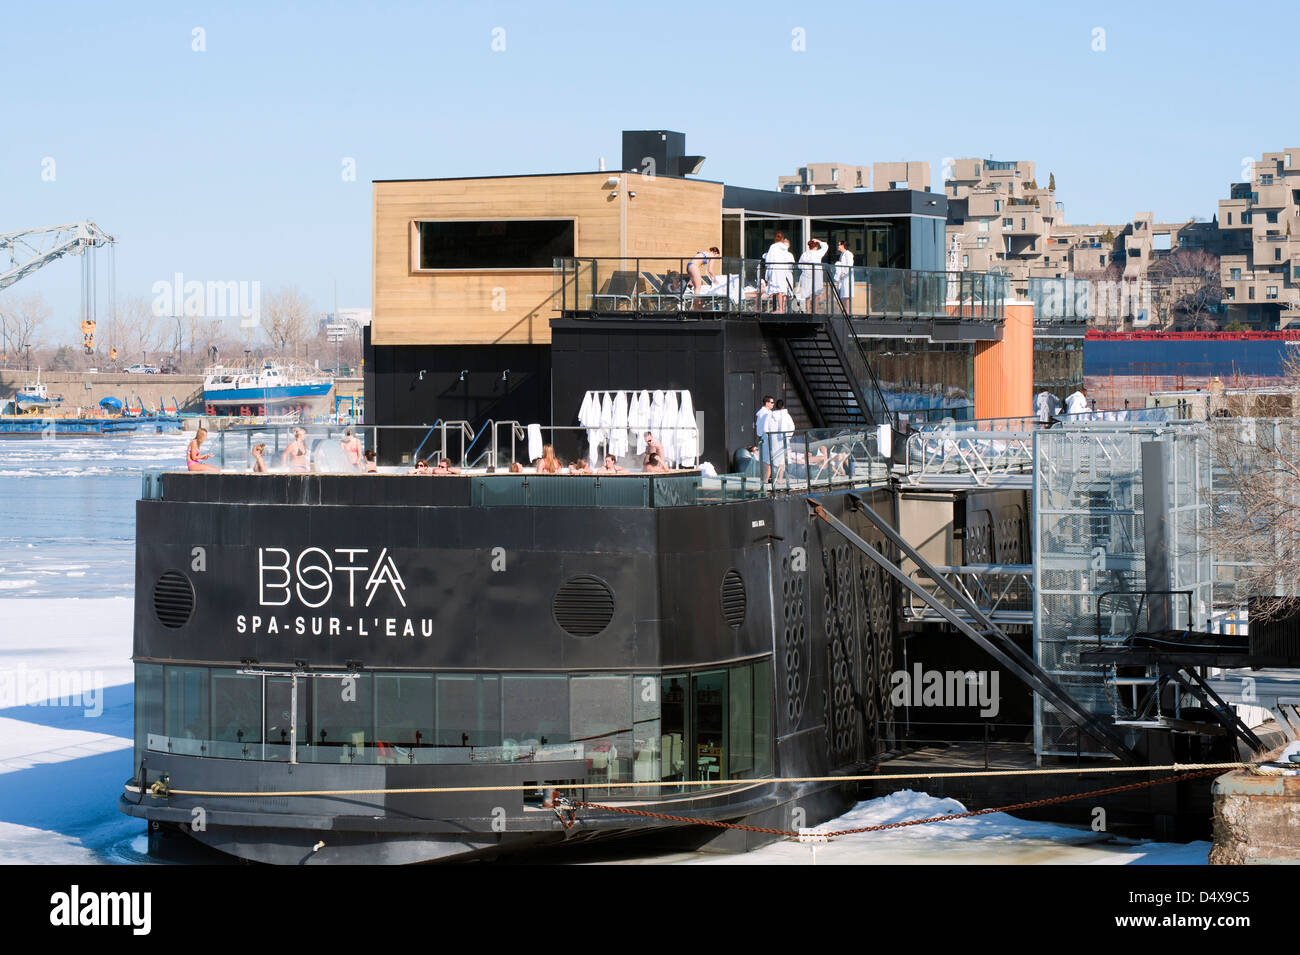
x=225, y=164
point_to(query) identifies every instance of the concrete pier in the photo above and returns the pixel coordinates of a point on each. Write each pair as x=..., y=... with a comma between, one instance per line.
x=1256, y=819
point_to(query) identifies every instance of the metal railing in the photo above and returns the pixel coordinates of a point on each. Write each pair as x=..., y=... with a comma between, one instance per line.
x=818, y=459
x=1003, y=592
x=659, y=287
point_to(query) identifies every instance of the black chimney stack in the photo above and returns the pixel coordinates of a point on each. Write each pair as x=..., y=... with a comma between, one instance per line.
x=660, y=152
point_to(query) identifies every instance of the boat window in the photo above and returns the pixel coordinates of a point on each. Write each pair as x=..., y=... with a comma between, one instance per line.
x=148, y=705
x=469, y=710
x=536, y=708
x=763, y=718
x=709, y=724
x=236, y=707
x=740, y=728
x=600, y=717
x=343, y=714
x=673, y=739
x=404, y=710
x=186, y=705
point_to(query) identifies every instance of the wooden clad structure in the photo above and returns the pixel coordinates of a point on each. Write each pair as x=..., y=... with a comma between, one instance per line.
x=466, y=306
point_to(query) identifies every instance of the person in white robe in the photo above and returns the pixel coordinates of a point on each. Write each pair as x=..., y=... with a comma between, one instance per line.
x=810, y=275
x=844, y=273
x=1046, y=406
x=761, y=427
x=1077, y=402
x=779, y=271
x=781, y=427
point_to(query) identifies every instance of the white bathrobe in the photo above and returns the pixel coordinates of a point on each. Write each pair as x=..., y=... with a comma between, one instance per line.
x=642, y=424
x=656, y=427
x=618, y=435
x=688, y=436
x=844, y=275
x=779, y=273
x=589, y=418
x=606, y=418
x=669, y=438
x=810, y=273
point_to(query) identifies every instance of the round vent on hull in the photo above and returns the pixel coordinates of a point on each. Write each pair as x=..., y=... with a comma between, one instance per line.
x=583, y=606
x=173, y=600
x=733, y=599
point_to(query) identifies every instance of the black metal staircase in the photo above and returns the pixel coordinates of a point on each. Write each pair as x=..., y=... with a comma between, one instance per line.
x=829, y=366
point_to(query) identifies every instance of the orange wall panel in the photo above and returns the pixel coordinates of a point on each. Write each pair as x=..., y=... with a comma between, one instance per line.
x=1004, y=371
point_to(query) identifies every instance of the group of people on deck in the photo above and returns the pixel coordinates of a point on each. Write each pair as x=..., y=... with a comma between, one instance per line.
x=294, y=458
x=804, y=279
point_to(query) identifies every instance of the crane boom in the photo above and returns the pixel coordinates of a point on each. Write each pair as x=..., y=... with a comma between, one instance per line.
x=31, y=249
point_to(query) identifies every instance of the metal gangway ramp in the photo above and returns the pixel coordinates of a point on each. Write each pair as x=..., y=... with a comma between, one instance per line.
x=970, y=620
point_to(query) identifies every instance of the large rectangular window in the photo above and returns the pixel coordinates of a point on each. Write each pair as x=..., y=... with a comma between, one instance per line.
x=494, y=244
x=469, y=710
x=404, y=710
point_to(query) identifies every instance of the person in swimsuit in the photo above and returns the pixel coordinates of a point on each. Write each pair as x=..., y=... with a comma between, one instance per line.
x=195, y=460
x=351, y=445
x=259, y=463
x=444, y=467
x=294, y=456
x=372, y=466
x=611, y=466
x=421, y=467
x=654, y=463
x=580, y=466
x=548, y=463
x=652, y=448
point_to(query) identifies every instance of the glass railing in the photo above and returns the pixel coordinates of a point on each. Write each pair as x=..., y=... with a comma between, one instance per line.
x=338, y=448
x=507, y=463
x=703, y=287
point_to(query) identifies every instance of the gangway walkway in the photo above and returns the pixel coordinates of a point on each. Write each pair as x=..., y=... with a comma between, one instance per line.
x=958, y=459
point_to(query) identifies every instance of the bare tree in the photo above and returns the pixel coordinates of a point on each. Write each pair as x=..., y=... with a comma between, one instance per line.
x=1195, y=286
x=287, y=320
x=23, y=321
x=1255, y=513
x=140, y=332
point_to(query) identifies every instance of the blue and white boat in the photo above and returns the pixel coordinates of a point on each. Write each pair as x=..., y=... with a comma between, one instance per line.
x=259, y=391
x=34, y=396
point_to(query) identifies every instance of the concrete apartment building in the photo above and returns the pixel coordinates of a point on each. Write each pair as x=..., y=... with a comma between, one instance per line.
x=822, y=178
x=1261, y=225
x=999, y=217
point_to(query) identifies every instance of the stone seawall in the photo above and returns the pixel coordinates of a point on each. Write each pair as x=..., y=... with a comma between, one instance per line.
x=85, y=390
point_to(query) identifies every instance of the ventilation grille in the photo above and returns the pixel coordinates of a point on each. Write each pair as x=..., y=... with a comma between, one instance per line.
x=173, y=600
x=584, y=606
x=733, y=599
